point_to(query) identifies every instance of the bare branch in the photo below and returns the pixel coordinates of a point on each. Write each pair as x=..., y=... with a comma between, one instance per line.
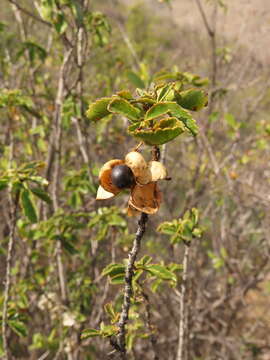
x=127, y=39
x=150, y=326
x=121, y=342
x=211, y=31
x=25, y=11
x=182, y=322
x=204, y=18
x=13, y=220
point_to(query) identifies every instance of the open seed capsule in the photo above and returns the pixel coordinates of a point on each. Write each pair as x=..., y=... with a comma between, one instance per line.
x=122, y=176
x=135, y=161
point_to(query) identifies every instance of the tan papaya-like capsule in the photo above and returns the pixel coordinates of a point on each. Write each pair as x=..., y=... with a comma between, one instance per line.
x=135, y=161
x=102, y=194
x=146, y=198
x=131, y=211
x=144, y=178
x=105, y=176
x=157, y=170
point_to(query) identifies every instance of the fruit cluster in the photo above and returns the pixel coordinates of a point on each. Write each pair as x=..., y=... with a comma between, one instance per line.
x=136, y=174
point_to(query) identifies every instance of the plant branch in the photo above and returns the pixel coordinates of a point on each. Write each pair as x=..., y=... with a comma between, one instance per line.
x=121, y=341
x=127, y=39
x=82, y=139
x=182, y=322
x=25, y=11
x=150, y=326
x=13, y=220
x=155, y=153
x=211, y=31
x=56, y=174
x=57, y=129
x=204, y=18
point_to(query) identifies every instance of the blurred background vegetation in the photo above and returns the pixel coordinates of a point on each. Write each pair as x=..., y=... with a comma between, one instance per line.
x=56, y=57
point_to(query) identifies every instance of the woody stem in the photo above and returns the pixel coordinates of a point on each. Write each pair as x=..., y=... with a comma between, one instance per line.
x=121, y=341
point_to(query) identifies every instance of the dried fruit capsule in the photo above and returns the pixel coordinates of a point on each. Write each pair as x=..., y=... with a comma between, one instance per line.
x=136, y=162
x=122, y=176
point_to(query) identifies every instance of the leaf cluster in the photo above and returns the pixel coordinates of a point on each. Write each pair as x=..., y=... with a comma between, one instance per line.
x=26, y=182
x=183, y=229
x=157, y=115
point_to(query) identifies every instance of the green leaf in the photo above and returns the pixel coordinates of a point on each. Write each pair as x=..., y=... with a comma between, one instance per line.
x=175, y=267
x=194, y=79
x=99, y=27
x=137, y=274
x=155, y=285
x=164, y=131
x=113, y=269
x=108, y=330
x=144, y=260
x=185, y=117
x=41, y=194
x=195, y=216
x=2, y=26
x=13, y=97
x=1, y=346
x=165, y=93
x=198, y=81
x=231, y=121
x=18, y=327
x=34, y=50
x=77, y=11
x=32, y=165
x=192, y=99
x=174, y=110
x=69, y=247
x=157, y=110
x=145, y=100
x=117, y=279
x=38, y=180
x=116, y=220
x=87, y=333
x=3, y=183
x=161, y=272
x=123, y=107
x=135, y=80
x=125, y=94
x=60, y=23
x=165, y=75
x=111, y=312
x=98, y=109
x=28, y=207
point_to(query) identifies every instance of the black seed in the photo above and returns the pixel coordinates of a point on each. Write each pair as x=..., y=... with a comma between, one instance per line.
x=122, y=176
